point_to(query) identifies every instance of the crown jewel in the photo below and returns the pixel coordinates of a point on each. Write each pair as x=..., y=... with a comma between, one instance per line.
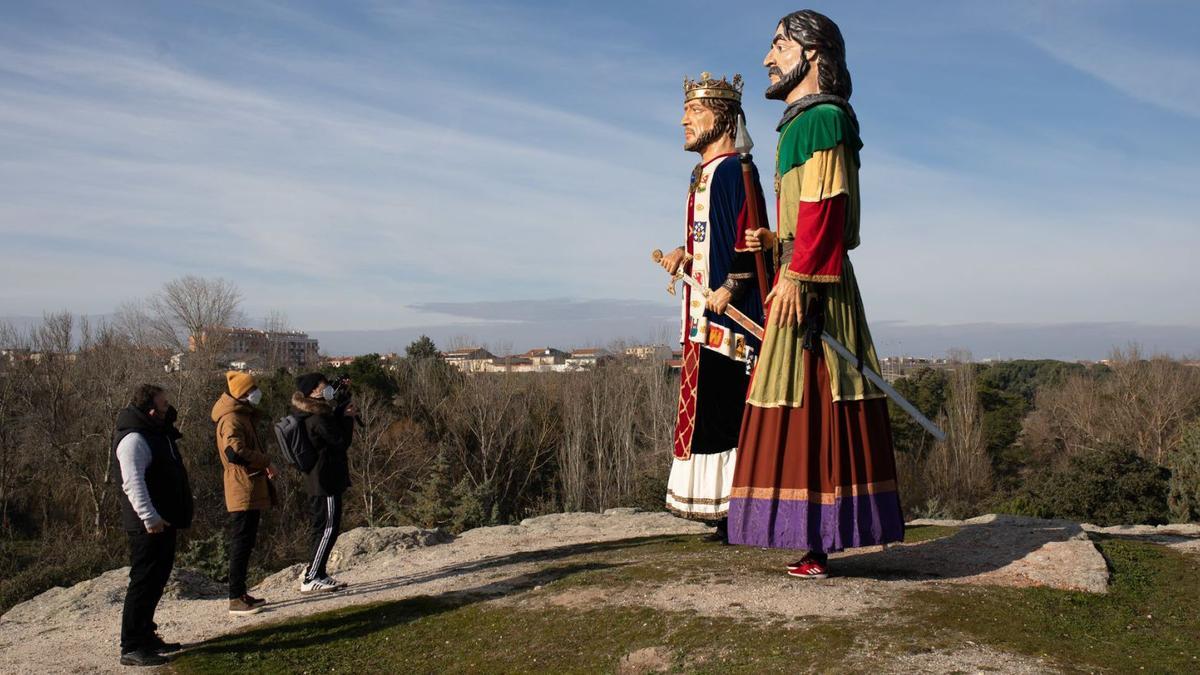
x=707, y=87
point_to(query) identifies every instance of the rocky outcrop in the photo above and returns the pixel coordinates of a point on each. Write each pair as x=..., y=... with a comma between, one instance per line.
x=107, y=590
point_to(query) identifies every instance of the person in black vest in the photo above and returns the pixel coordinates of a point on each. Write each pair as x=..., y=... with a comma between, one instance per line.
x=156, y=502
x=330, y=431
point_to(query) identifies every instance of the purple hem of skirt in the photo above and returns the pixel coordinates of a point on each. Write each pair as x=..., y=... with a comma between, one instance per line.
x=865, y=520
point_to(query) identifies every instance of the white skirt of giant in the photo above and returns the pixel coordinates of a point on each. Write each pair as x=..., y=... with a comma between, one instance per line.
x=699, y=487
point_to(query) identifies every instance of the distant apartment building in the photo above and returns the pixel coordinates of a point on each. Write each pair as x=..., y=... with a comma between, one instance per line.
x=252, y=348
x=582, y=359
x=470, y=359
x=514, y=364
x=546, y=357
x=649, y=352
x=675, y=363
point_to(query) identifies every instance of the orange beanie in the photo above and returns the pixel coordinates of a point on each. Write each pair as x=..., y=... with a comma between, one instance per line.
x=240, y=383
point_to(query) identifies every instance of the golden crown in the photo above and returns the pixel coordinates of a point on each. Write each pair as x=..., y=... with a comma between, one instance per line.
x=707, y=87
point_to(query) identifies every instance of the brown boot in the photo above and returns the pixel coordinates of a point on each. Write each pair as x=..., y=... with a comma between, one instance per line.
x=241, y=606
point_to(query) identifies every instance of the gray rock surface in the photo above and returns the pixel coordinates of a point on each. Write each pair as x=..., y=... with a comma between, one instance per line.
x=63, y=605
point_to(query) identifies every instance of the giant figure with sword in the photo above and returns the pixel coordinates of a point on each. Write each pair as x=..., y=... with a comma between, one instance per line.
x=717, y=350
x=816, y=469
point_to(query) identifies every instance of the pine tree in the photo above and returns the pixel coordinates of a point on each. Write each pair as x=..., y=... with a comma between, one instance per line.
x=435, y=500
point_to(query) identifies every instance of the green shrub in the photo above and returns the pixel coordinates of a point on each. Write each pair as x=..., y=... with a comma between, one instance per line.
x=29, y=567
x=1184, y=497
x=1106, y=486
x=206, y=556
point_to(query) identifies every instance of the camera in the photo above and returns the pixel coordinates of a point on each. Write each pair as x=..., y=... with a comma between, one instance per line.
x=342, y=393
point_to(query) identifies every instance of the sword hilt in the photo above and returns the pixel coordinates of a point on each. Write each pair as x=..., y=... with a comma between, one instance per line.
x=657, y=255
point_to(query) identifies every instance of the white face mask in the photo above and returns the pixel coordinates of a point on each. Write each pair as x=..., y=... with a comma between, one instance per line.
x=254, y=397
x=328, y=392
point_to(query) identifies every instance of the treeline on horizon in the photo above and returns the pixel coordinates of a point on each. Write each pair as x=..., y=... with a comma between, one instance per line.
x=1108, y=443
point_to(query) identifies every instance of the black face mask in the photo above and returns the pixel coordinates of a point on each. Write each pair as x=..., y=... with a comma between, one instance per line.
x=170, y=416
x=790, y=80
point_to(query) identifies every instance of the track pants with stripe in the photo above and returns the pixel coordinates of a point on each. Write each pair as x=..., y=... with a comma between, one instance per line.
x=326, y=525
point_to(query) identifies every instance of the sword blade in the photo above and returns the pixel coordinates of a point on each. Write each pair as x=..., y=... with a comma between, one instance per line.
x=757, y=331
x=878, y=381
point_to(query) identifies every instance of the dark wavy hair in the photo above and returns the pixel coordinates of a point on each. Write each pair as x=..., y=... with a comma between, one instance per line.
x=143, y=396
x=816, y=31
x=725, y=115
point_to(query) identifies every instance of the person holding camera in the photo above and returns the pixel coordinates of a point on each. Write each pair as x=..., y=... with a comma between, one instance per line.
x=329, y=426
x=156, y=502
x=248, y=473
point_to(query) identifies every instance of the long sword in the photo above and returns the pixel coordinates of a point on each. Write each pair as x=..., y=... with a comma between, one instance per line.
x=757, y=331
x=733, y=312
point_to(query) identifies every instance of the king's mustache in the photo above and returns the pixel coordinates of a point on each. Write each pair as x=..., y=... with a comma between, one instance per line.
x=775, y=70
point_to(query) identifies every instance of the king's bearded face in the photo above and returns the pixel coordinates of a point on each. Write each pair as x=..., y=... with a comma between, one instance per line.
x=786, y=65
x=699, y=126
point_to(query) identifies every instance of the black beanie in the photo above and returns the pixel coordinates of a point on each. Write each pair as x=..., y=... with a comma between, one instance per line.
x=306, y=383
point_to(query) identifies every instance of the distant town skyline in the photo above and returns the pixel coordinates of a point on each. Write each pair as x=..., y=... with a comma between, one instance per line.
x=567, y=325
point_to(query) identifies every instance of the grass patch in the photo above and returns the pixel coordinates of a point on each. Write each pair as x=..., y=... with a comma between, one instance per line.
x=1149, y=619
x=915, y=534
x=459, y=636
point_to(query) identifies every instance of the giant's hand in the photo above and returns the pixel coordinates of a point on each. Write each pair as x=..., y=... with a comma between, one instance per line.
x=761, y=239
x=718, y=300
x=787, y=306
x=672, y=261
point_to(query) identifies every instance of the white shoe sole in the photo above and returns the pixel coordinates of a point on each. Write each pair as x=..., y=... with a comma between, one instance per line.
x=807, y=576
x=326, y=589
x=245, y=612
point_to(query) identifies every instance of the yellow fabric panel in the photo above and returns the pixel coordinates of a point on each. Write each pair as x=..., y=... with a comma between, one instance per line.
x=779, y=376
x=824, y=175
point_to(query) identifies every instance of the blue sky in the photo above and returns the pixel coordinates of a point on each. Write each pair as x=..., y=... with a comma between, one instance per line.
x=363, y=165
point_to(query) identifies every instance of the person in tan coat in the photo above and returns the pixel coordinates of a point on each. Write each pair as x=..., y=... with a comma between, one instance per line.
x=248, y=475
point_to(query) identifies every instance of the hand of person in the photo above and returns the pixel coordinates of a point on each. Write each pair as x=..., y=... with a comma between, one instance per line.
x=159, y=527
x=271, y=472
x=718, y=300
x=351, y=410
x=761, y=239
x=787, y=305
x=672, y=261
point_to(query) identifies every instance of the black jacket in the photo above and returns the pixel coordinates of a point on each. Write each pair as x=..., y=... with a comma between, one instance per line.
x=331, y=435
x=166, y=476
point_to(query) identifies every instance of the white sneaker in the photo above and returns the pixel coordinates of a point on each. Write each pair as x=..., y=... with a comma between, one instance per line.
x=321, y=585
x=335, y=582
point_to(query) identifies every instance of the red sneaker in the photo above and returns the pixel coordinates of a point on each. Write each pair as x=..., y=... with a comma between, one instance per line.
x=808, y=558
x=809, y=569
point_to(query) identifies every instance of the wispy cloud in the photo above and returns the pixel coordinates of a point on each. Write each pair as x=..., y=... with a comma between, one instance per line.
x=1144, y=65
x=374, y=164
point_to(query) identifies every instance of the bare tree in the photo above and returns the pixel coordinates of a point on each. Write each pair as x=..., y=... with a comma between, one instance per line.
x=277, y=321
x=12, y=460
x=186, y=310
x=383, y=452
x=1142, y=404
x=959, y=470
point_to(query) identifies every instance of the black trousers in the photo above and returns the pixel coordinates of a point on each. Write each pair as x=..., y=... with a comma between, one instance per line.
x=241, y=537
x=151, y=557
x=326, y=525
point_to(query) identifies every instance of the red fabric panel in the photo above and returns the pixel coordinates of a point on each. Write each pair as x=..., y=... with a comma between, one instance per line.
x=820, y=246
